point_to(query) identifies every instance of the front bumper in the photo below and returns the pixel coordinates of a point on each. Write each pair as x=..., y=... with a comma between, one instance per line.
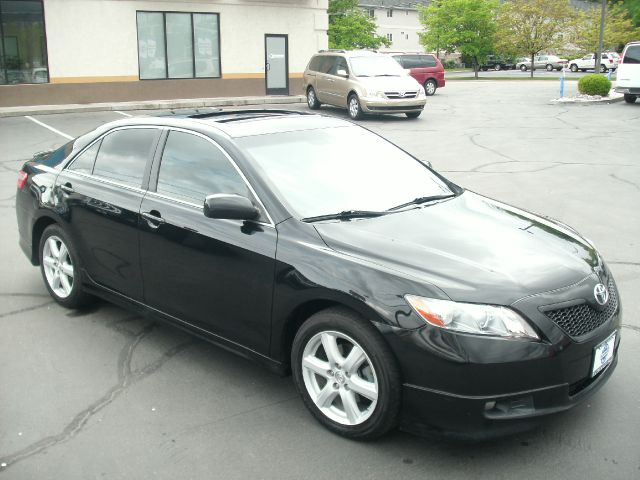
x=380, y=105
x=628, y=90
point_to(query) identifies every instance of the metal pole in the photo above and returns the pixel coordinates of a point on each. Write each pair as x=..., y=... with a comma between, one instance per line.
x=601, y=38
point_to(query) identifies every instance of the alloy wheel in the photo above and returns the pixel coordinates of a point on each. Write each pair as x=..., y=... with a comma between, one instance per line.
x=430, y=87
x=340, y=378
x=311, y=98
x=354, y=107
x=58, y=266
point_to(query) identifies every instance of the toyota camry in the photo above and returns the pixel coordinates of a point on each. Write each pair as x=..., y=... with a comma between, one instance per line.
x=393, y=296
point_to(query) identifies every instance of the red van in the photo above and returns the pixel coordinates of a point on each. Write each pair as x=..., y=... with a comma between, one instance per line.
x=425, y=68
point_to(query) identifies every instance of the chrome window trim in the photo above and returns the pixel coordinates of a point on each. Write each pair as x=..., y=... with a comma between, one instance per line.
x=136, y=189
x=233, y=163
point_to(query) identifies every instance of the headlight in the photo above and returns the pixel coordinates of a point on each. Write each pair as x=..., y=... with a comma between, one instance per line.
x=472, y=318
x=378, y=94
x=421, y=92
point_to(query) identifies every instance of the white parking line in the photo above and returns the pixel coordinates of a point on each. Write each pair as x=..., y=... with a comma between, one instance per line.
x=49, y=127
x=122, y=113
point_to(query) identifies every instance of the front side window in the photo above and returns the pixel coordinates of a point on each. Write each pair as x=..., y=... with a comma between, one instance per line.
x=192, y=168
x=325, y=171
x=23, y=50
x=123, y=155
x=178, y=45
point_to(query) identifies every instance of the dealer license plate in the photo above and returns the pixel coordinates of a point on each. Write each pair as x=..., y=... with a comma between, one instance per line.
x=603, y=354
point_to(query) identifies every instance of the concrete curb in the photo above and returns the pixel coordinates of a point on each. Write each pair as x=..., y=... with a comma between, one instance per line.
x=606, y=100
x=150, y=105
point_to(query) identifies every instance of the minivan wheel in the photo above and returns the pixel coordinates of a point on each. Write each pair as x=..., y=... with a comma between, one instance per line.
x=413, y=114
x=60, y=266
x=312, y=100
x=346, y=374
x=355, y=112
x=630, y=98
x=430, y=86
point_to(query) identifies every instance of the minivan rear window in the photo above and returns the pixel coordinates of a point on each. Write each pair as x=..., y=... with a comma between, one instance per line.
x=632, y=55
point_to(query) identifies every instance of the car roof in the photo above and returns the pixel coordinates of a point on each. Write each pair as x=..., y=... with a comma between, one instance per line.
x=351, y=53
x=242, y=123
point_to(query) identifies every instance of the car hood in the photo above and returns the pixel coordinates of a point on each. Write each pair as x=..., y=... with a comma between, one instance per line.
x=473, y=248
x=403, y=82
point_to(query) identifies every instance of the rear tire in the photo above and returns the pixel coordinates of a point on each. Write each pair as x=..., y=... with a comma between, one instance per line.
x=356, y=396
x=413, y=114
x=61, y=268
x=497, y=68
x=353, y=107
x=523, y=68
x=430, y=87
x=574, y=68
x=549, y=68
x=630, y=98
x=603, y=68
x=312, y=99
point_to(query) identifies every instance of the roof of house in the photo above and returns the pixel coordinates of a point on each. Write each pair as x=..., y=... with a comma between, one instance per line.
x=400, y=4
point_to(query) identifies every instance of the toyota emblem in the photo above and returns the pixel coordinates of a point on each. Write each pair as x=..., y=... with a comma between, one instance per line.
x=601, y=293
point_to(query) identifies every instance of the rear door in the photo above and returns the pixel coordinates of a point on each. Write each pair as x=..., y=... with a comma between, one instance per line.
x=338, y=85
x=211, y=273
x=101, y=191
x=325, y=80
x=629, y=69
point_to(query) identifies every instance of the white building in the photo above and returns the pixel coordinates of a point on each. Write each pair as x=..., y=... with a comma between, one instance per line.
x=397, y=20
x=78, y=51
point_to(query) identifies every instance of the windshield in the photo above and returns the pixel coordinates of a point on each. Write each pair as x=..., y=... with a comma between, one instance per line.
x=331, y=170
x=375, y=66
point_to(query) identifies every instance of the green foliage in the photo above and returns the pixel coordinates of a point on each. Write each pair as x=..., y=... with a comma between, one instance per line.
x=465, y=26
x=350, y=27
x=594, y=84
x=619, y=28
x=449, y=64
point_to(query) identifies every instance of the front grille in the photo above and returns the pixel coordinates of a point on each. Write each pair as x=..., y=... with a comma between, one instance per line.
x=397, y=95
x=398, y=107
x=581, y=319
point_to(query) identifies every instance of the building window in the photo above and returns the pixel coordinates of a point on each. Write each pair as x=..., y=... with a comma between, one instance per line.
x=390, y=12
x=371, y=12
x=178, y=45
x=390, y=37
x=23, y=50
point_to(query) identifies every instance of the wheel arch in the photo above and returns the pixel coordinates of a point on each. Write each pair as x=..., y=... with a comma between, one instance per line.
x=36, y=234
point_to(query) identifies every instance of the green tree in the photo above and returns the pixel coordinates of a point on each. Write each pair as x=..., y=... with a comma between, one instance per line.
x=619, y=28
x=465, y=26
x=534, y=26
x=350, y=27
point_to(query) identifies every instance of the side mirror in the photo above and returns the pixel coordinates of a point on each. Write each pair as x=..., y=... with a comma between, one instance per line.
x=230, y=206
x=342, y=73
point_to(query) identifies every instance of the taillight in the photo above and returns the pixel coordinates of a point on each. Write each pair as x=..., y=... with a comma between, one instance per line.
x=22, y=179
x=621, y=58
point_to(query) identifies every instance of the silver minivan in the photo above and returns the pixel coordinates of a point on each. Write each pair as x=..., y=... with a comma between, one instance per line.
x=362, y=82
x=628, y=75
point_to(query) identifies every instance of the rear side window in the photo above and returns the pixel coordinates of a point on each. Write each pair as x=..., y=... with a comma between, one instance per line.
x=193, y=168
x=83, y=163
x=400, y=60
x=632, y=55
x=428, y=61
x=124, y=154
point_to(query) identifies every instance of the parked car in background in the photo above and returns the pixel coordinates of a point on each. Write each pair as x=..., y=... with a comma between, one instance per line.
x=547, y=62
x=362, y=82
x=616, y=58
x=588, y=63
x=425, y=68
x=628, y=77
x=495, y=62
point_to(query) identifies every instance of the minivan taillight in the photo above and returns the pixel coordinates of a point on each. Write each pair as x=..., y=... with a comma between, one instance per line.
x=22, y=179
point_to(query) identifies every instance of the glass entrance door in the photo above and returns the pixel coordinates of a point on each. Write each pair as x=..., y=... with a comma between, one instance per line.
x=276, y=64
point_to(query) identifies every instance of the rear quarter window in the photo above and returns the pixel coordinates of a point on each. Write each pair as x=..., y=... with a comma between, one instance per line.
x=632, y=55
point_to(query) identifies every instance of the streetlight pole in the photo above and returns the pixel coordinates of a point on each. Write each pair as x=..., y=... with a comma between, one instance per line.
x=601, y=37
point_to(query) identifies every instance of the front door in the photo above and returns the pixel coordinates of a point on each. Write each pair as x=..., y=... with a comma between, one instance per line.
x=276, y=64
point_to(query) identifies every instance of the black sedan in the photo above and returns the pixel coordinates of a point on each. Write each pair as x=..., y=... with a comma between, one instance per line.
x=317, y=247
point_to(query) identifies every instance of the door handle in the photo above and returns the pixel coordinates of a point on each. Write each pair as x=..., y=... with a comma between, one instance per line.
x=153, y=218
x=268, y=67
x=66, y=188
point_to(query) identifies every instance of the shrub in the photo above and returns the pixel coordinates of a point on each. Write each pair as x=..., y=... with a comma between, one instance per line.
x=449, y=64
x=594, y=84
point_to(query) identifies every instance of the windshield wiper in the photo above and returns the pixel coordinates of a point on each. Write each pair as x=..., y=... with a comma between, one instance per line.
x=387, y=75
x=420, y=200
x=345, y=215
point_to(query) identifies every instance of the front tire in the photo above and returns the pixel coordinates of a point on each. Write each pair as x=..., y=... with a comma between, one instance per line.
x=61, y=268
x=312, y=99
x=353, y=107
x=523, y=68
x=630, y=98
x=430, y=87
x=574, y=68
x=346, y=374
x=413, y=114
x=549, y=68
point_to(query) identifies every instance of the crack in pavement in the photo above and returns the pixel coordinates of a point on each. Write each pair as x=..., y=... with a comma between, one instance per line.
x=21, y=294
x=555, y=164
x=472, y=139
x=25, y=309
x=633, y=264
x=631, y=327
x=624, y=180
x=126, y=378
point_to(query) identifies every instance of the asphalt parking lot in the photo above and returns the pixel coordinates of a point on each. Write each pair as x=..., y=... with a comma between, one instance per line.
x=101, y=393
